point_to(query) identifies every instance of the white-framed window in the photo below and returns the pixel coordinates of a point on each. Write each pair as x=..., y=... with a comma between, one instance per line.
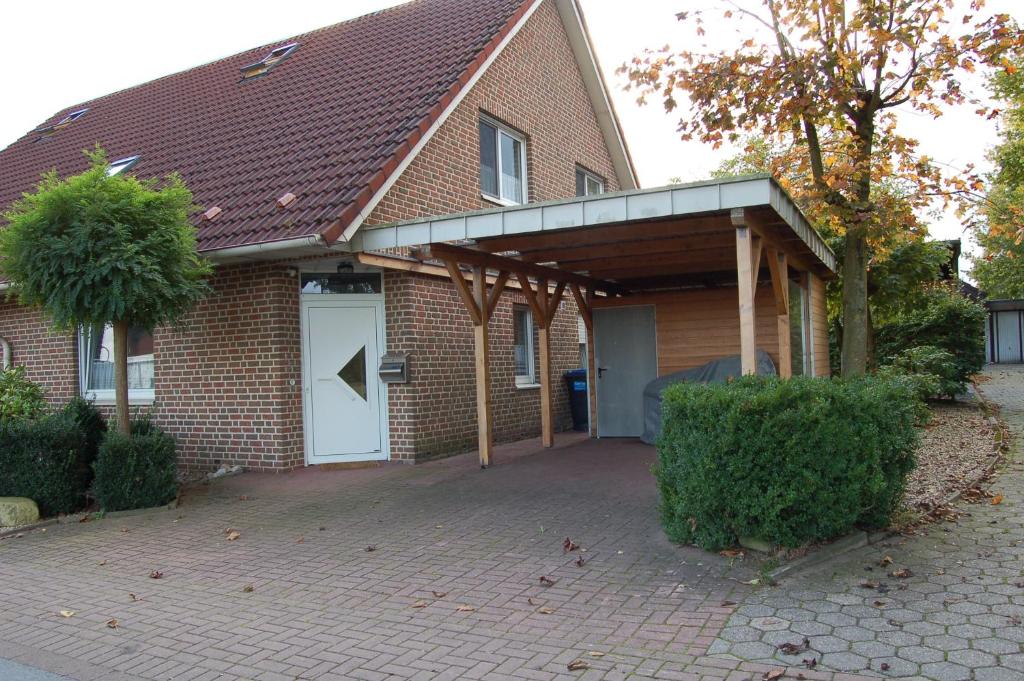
x=522, y=344
x=587, y=183
x=502, y=164
x=96, y=364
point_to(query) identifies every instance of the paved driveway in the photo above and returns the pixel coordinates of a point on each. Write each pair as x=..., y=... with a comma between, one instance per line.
x=344, y=566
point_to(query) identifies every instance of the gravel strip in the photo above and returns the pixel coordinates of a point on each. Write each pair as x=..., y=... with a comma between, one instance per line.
x=956, y=448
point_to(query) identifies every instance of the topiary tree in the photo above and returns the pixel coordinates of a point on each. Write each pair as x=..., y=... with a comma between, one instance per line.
x=105, y=248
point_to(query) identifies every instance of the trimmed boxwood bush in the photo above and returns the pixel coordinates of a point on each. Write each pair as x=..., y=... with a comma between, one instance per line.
x=42, y=459
x=137, y=471
x=785, y=461
x=93, y=427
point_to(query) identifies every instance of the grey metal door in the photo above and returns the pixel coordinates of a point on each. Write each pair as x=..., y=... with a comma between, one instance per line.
x=1008, y=340
x=626, y=357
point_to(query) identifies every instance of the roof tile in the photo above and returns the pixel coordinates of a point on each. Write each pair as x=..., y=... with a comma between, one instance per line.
x=330, y=123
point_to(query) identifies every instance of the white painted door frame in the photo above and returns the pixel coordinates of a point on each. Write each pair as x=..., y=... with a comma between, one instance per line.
x=342, y=301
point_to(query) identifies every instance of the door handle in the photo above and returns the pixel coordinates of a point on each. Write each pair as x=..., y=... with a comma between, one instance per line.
x=600, y=371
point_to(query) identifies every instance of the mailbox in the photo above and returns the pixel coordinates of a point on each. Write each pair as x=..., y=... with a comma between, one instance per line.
x=394, y=367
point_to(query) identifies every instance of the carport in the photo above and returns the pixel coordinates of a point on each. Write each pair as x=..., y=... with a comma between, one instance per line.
x=664, y=279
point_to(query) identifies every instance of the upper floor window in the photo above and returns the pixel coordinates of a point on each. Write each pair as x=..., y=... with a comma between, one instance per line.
x=588, y=183
x=119, y=166
x=96, y=368
x=502, y=164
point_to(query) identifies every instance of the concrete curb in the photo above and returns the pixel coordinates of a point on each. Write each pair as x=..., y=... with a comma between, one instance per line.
x=141, y=511
x=821, y=555
x=28, y=528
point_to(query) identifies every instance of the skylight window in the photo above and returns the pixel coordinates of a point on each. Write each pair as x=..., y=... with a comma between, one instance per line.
x=62, y=123
x=121, y=165
x=276, y=56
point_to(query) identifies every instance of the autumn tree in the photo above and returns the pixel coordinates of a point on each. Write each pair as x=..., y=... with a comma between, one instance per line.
x=827, y=77
x=1000, y=269
x=103, y=248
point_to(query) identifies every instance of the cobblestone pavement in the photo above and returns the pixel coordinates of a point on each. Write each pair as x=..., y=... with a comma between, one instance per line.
x=426, y=572
x=957, y=617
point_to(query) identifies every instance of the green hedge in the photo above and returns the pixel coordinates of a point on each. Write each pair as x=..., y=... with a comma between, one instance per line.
x=137, y=471
x=785, y=461
x=944, y=320
x=41, y=459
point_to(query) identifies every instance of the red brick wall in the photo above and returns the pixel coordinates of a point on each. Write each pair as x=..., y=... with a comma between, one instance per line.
x=229, y=378
x=50, y=359
x=435, y=413
x=535, y=87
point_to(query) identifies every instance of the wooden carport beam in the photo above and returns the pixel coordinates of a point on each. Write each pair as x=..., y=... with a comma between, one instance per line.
x=780, y=287
x=746, y=278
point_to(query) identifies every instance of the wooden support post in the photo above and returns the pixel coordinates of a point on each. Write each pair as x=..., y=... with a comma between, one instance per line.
x=547, y=430
x=485, y=429
x=745, y=284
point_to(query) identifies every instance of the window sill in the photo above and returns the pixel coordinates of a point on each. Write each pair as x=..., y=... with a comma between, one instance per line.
x=106, y=399
x=527, y=386
x=500, y=202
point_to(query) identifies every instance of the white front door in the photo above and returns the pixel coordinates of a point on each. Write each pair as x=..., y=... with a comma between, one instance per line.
x=343, y=394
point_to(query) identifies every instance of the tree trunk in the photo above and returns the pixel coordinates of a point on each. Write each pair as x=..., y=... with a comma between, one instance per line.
x=121, y=376
x=855, y=305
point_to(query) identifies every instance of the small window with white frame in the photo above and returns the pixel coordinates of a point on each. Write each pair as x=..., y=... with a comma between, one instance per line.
x=587, y=183
x=522, y=344
x=96, y=366
x=502, y=164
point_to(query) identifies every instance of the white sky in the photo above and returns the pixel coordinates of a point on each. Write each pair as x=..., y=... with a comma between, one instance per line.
x=66, y=52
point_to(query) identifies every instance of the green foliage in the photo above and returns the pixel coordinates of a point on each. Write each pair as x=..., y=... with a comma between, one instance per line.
x=934, y=370
x=42, y=459
x=20, y=398
x=92, y=249
x=945, y=320
x=136, y=471
x=92, y=427
x=786, y=461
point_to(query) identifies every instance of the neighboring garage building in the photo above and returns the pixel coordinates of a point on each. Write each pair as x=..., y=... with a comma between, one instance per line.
x=1004, y=332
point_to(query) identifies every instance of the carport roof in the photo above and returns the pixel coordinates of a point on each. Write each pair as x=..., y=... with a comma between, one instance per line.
x=683, y=230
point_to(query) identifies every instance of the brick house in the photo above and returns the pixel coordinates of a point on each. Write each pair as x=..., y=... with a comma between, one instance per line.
x=292, y=149
x=412, y=244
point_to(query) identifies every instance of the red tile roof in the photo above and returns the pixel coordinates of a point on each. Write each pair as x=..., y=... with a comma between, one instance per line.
x=328, y=124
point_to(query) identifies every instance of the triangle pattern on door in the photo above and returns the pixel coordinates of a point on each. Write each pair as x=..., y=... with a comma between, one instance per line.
x=354, y=373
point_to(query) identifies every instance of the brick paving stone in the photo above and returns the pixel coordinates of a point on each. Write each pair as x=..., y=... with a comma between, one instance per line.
x=959, y=611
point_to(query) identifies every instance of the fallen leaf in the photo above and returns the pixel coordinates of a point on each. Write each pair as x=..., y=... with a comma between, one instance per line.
x=546, y=581
x=595, y=653
x=773, y=674
x=156, y=574
x=371, y=548
x=902, y=573
x=869, y=585
x=811, y=663
x=245, y=497
x=731, y=553
x=233, y=535
x=322, y=528
x=125, y=530
x=102, y=563
x=752, y=582
x=997, y=499
x=794, y=648
x=113, y=623
x=85, y=518
x=1014, y=620
x=300, y=540
x=884, y=667
x=67, y=613
x=530, y=601
x=580, y=561
x=886, y=561
x=465, y=608
x=569, y=545
x=248, y=589
x=134, y=597
x=879, y=604
x=727, y=604
x=439, y=594
x=578, y=665
x=546, y=611
x=420, y=604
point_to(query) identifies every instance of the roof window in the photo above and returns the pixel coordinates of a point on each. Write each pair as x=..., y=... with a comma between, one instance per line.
x=119, y=166
x=276, y=56
x=62, y=123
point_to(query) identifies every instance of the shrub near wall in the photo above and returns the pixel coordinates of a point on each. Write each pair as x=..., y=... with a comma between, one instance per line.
x=785, y=461
x=41, y=459
x=136, y=471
